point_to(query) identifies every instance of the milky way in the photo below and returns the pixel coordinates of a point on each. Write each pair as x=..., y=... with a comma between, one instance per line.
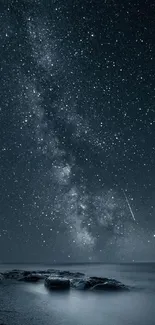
x=77, y=125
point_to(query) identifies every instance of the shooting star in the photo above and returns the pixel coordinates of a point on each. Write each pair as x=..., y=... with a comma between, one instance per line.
x=129, y=205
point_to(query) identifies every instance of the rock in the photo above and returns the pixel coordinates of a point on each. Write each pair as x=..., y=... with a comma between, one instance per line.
x=66, y=274
x=57, y=283
x=32, y=277
x=110, y=286
x=28, y=276
x=95, y=284
x=12, y=275
x=64, y=280
x=87, y=283
x=1, y=277
x=26, y=273
x=43, y=272
x=79, y=284
x=70, y=275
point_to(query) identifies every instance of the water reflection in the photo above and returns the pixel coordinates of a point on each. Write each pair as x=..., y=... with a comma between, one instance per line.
x=83, y=308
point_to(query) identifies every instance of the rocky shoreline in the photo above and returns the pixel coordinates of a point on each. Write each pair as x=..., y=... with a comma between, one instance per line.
x=63, y=280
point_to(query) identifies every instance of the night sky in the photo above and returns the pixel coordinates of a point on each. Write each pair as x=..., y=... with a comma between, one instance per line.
x=77, y=131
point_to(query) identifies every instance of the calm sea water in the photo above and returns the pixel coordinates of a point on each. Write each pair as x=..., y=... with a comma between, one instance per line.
x=25, y=304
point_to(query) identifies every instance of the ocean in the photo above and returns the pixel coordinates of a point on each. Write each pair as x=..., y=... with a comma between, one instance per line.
x=33, y=304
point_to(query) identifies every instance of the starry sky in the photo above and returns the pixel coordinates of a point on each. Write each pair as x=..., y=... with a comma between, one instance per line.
x=77, y=131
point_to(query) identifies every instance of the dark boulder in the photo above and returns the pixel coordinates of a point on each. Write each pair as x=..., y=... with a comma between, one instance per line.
x=96, y=284
x=1, y=277
x=12, y=275
x=66, y=274
x=70, y=275
x=110, y=286
x=27, y=276
x=53, y=271
x=57, y=283
x=32, y=277
x=27, y=273
x=87, y=283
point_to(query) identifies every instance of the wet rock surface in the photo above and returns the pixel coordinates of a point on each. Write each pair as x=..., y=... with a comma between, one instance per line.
x=96, y=284
x=57, y=283
x=64, y=280
x=32, y=277
x=110, y=286
x=1, y=277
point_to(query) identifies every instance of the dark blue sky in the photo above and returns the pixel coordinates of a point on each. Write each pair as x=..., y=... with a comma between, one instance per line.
x=77, y=127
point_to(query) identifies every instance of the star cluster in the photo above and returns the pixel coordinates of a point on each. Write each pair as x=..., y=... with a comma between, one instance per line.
x=77, y=130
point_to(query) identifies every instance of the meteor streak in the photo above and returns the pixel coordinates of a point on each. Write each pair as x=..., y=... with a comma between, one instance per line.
x=129, y=205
